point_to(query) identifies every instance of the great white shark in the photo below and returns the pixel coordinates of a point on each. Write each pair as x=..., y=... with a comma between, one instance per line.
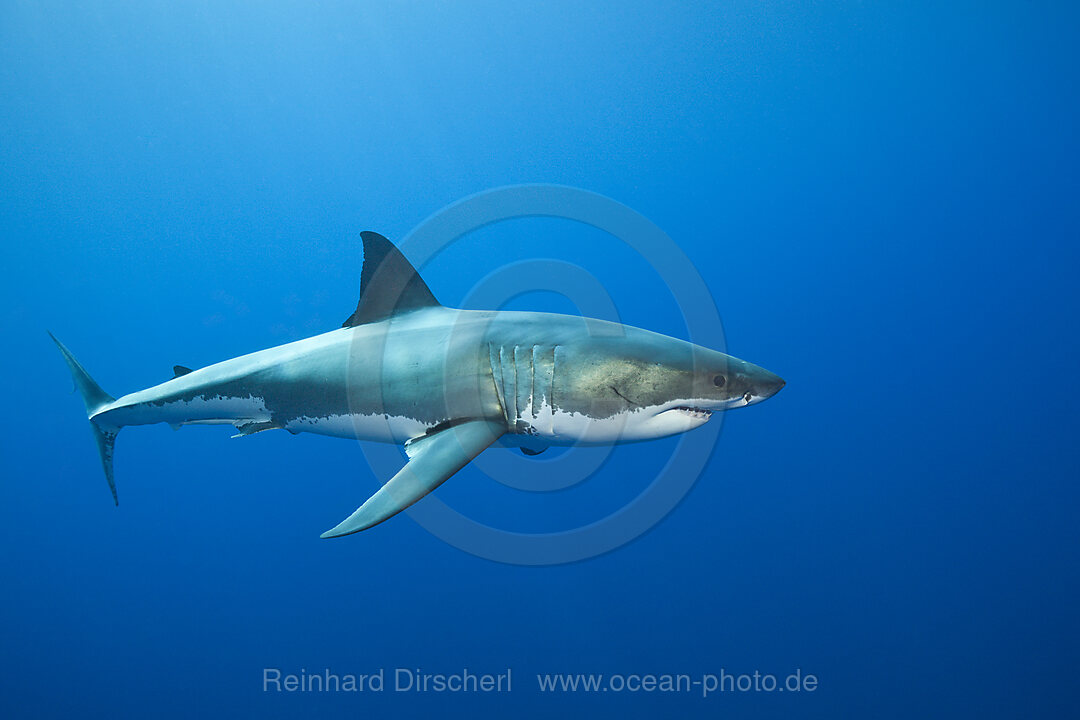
x=445, y=383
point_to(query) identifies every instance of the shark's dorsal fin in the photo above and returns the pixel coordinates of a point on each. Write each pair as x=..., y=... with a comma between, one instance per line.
x=180, y=371
x=389, y=284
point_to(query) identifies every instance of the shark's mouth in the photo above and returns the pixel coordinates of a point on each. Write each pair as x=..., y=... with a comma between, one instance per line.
x=694, y=412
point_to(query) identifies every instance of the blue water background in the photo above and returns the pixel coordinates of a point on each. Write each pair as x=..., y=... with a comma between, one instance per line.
x=881, y=197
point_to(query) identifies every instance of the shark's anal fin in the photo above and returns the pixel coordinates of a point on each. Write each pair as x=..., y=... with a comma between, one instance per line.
x=432, y=461
x=180, y=371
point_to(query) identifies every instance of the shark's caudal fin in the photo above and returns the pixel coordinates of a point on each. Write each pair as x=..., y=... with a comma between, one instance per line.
x=389, y=284
x=432, y=460
x=94, y=398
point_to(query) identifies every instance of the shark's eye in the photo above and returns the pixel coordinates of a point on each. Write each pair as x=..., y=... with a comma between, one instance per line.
x=719, y=381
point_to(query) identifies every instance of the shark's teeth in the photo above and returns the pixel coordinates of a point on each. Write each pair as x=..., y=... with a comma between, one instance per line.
x=694, y=411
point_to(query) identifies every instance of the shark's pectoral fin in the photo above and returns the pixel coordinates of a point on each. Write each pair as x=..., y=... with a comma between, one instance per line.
x=432, y=461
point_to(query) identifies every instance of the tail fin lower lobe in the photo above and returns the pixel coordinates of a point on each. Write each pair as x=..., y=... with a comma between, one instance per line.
x=94, y=398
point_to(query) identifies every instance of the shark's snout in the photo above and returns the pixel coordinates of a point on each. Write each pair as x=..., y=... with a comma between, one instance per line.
x=772, y=386
x=762, y=385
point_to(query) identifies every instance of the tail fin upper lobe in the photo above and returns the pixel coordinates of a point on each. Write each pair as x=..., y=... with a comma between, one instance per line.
x=94, y=398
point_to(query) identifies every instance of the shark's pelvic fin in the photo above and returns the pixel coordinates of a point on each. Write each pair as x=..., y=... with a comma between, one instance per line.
x=180, y=371
x=432, y=460
x=94, y=398
x=389, y=284
x=250, y=427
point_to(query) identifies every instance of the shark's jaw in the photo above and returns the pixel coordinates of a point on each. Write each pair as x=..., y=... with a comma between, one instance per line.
x=682, y=415
x=679, y=419
x=647, y=423
x=692, y=411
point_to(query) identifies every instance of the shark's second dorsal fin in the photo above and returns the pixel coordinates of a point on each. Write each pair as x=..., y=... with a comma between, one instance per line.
x=389, y=284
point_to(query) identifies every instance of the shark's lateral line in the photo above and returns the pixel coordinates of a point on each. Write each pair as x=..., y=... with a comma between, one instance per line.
x=445, y=383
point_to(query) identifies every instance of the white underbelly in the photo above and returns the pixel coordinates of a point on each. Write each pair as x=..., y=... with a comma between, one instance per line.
x=376, y=428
